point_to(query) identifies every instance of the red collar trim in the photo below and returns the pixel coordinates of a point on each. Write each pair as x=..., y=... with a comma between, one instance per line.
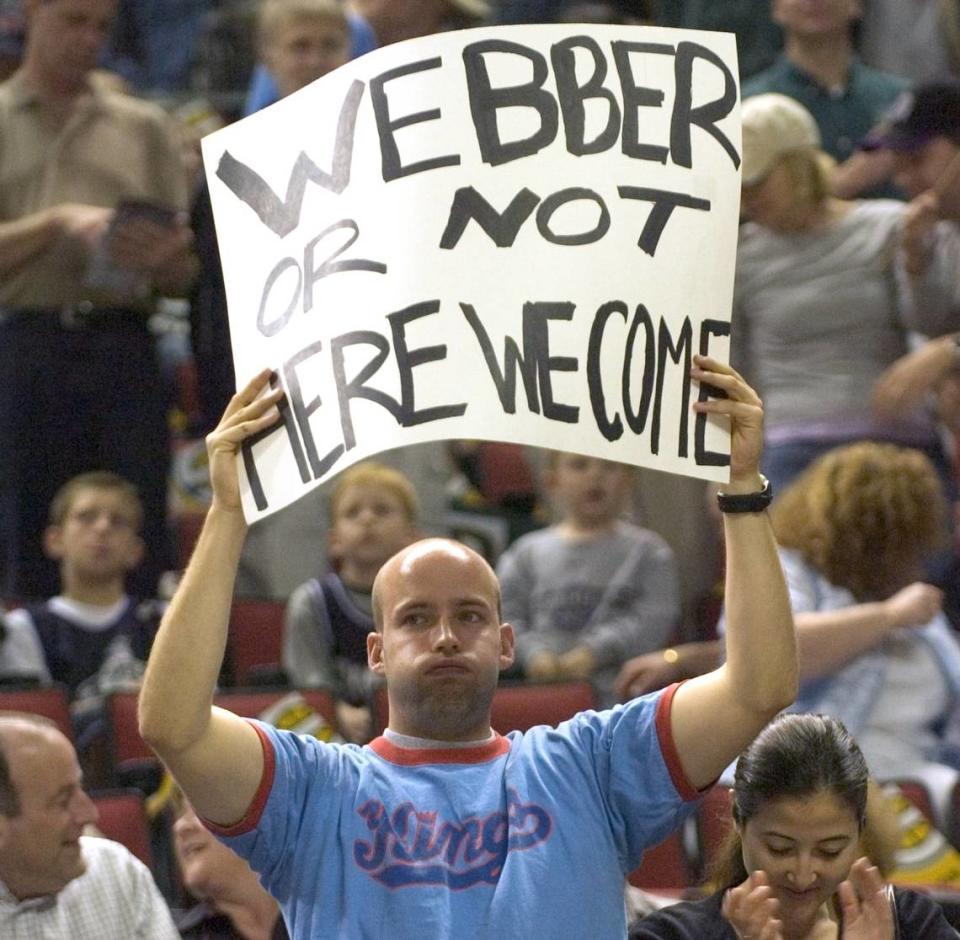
x=410, y=757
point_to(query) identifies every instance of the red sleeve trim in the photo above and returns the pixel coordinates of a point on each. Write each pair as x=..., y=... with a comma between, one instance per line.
x=669, y=748
x=251, y=818
x=409, y=757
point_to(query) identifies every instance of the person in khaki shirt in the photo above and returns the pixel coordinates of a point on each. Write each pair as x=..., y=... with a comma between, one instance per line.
x=92, y=231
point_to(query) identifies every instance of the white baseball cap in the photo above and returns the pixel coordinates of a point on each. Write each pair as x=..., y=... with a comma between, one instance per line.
x=773, y=125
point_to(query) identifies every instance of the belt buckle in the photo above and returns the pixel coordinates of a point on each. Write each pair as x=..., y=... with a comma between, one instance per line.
x=76, y=316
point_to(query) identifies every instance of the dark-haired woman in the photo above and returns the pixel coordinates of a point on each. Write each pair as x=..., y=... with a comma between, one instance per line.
x=792, y=868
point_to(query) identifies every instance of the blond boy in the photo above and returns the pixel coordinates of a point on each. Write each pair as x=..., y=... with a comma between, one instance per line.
x=301, y=40
x=373, y=510
x=591, y=590
x=94, y=535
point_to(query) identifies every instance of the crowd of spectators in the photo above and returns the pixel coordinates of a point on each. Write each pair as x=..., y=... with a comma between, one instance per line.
x=846, y=319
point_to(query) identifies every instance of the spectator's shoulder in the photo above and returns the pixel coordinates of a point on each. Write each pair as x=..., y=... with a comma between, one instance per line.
x=761, y=82
x=531, y=542
x=109, y=860
x=882, y=81
x=133, y=110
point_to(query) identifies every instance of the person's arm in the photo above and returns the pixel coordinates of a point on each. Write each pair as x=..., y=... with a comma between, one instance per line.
x=24, y=238
x=656, y=670
x=861, y=171
x=215, y=756
x=902, y=387
x=925, y=267
x=829, y=639
x=716, y=715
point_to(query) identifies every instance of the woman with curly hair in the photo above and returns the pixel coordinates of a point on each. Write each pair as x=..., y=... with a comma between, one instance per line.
x=876, y=650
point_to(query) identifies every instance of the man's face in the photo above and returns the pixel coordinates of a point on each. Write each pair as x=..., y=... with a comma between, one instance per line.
x=97, y=539
x=302, y=51
x=441, y=645
x=39, y=848
x=922, y=169
x=590, y=491
x=815, y=17
x=65, y=37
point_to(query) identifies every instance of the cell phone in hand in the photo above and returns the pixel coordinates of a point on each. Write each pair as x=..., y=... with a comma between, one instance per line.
x=131, y=209
x=102, y=273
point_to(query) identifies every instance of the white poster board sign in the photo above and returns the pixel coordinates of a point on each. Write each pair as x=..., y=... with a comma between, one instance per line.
x=517, y=233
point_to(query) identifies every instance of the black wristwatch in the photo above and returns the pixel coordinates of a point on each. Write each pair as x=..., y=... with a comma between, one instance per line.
x=747, y=502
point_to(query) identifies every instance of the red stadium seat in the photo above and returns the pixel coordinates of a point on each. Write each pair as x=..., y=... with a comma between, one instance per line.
x=917, y=793
x=251, y=703
x=255, y=640
x=123, y=818
x=520, y=707
x=665, y=867
x=131, y=758
x=51, y=701
x=130, y=761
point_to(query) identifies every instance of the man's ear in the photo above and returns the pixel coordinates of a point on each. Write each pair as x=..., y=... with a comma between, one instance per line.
x=507, y=645
x=53, y=542
x=375, y=652
x=4, y=831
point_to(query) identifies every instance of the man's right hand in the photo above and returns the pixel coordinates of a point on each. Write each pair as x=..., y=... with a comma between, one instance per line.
x=250, y=411
x=82, y=223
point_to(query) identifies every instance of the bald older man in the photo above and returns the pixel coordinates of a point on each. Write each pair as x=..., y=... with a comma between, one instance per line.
x=441, y=827
x=54, y=881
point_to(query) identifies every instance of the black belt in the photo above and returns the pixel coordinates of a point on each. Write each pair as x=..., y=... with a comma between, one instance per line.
x=74, y=317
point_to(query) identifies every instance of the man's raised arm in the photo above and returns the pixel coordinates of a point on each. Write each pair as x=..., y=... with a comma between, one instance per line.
x=716, y=715
x=215, y=756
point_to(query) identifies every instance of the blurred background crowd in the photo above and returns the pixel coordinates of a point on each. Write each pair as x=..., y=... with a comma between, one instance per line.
x=115, y=362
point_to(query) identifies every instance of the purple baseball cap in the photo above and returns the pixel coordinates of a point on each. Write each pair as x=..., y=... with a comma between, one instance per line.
x=917, y=116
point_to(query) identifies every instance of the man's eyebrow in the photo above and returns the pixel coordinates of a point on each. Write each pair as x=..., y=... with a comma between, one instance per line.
x=840, y=836
x=477, y=601
x=66, y=790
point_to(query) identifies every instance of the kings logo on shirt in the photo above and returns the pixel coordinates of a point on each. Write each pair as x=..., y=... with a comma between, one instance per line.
x=411, y=846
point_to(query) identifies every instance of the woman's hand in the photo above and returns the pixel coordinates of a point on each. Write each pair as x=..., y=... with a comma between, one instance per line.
x=752, y=910
x=913, y=606
x=865, y=904
x=645, y=673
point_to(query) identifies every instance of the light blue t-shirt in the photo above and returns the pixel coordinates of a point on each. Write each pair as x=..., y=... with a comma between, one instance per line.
x=528, y=835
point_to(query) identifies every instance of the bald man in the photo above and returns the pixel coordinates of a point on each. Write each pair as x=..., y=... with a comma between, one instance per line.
x=441, y=827
x=55, y=882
